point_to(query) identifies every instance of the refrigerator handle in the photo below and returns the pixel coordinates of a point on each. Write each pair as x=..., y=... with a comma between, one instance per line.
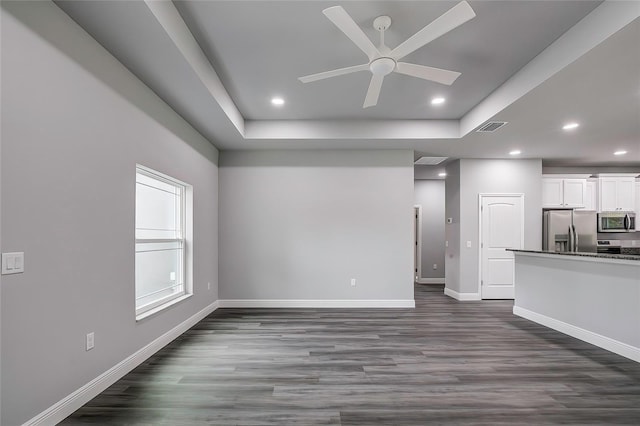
x=570, y=248
x=575, y=238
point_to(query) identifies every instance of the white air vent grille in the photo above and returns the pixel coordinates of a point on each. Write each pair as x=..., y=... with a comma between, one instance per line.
x=491, y=126
x=430, y=161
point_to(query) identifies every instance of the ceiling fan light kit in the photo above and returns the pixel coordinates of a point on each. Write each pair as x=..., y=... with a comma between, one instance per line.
x=382, y=60
x=382, y=66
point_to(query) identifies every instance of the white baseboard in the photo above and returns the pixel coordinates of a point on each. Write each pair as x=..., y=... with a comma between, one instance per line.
x=430, y=280
x=462, y=296
x=596, y=339
x=312, y=303
x=66, y=406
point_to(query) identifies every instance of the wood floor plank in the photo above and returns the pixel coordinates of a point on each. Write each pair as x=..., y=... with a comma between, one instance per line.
x=444, y=362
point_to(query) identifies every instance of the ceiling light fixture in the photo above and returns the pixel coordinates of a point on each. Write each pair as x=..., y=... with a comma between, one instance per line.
x=277, y=101
x=442, y=174
x=437, y=101
x=570, y=126
x=621, y=152
x=515, y=152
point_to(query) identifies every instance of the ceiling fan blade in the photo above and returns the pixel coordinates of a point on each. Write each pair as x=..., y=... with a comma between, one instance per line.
x=347, y=25
x=374, y=91
x=427, y=73
x=454, y=17
x=333, y=73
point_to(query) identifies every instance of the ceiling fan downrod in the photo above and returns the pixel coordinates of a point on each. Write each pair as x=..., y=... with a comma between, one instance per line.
x=382, y=65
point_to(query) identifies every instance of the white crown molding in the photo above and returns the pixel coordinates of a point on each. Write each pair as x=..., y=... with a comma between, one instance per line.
x=316, y=303
x=66, y=406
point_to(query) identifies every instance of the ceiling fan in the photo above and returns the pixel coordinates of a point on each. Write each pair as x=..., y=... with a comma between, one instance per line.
x=383, y=60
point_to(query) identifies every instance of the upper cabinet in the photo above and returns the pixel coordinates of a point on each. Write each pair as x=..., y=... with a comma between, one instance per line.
x=616, y=193
x=604, y=192
x=564, y=192
x=591, y=199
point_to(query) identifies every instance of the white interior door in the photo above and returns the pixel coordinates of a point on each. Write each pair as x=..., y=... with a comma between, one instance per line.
x=502, y=227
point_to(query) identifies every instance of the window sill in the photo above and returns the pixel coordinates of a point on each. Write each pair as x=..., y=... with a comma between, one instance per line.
x=157, y=309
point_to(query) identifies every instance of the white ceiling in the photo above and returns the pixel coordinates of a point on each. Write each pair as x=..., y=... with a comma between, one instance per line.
x=534, y=64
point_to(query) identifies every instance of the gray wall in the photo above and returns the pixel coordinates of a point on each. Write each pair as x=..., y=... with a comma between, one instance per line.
x=430, y=194
x=452, y=230
x=491, y=176
x=74, y=124
x=301, y=224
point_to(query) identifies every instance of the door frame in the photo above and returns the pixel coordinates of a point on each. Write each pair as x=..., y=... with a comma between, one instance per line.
x=417, y=242
x=479, y=242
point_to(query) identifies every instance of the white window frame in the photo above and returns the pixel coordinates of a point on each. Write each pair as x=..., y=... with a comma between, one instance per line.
x=186, y=227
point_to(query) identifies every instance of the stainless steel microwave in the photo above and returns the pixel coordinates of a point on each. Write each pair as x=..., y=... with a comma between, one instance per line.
x=617, y=222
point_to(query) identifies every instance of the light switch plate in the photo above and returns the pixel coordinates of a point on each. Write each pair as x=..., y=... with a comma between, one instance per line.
x=12, y=263
x=90, y=340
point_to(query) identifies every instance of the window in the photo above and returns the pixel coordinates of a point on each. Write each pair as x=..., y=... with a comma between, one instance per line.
x=162, y=241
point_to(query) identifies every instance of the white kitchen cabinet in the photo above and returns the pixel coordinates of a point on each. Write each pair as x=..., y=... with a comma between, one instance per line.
x=563, y=192
x=616, y=193
x=575, y=192
x=552, y=192
x=591, y=197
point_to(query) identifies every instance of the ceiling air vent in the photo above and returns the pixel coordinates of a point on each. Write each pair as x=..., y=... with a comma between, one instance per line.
x=491, y=126
x=430, y=161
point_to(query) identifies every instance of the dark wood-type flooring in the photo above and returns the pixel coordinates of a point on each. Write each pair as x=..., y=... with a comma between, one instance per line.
x=445, y=362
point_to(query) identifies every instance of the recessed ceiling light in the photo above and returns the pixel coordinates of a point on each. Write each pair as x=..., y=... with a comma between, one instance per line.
x=621, y=152
x=515, y=152
x=442, y=174
x=277, y=101
x=570, y=126
x=437, y=101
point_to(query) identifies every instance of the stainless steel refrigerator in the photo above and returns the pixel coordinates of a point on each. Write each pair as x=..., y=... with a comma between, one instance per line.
x=570, y=230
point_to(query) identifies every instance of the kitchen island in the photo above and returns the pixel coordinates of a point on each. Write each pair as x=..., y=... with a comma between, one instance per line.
x=591, y=296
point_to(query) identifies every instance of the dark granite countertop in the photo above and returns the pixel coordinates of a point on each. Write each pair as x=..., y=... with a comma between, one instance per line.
x=583, y=254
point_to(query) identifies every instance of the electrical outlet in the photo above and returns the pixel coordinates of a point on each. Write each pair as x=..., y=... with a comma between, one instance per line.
x=208, y=286
x=90, y=341
x=435, y=266
x=353, y=282
x=468, y=244
x=172, y=276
